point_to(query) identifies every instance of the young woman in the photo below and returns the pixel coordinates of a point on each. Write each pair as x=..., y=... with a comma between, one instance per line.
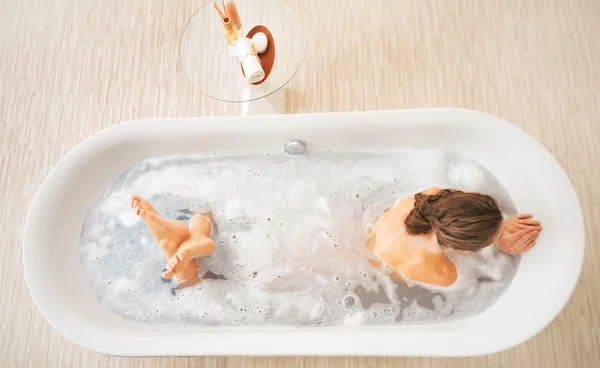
x=412, y=236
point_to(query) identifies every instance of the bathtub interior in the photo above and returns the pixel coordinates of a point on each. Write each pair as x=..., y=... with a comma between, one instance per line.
x=531, y=176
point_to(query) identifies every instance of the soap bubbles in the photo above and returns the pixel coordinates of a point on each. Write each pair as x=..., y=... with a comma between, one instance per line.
x=466, y=174
x=349, y=301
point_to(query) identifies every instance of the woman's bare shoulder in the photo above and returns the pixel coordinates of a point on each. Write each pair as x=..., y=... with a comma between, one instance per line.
x=400, y=210
x=407, y=202
x=432, y=191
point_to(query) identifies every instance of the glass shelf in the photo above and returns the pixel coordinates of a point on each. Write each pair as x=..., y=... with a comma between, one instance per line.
x=213, y=66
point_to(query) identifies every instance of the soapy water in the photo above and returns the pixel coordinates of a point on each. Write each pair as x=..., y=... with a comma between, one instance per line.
x=291, y=238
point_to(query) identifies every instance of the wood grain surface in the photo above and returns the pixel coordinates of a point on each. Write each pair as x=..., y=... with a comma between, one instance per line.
x=69, y=68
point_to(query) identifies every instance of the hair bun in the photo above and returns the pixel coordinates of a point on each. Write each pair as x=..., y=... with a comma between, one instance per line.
x=417, y=221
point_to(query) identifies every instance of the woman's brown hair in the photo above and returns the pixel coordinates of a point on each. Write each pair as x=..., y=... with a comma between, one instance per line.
x=463, y=221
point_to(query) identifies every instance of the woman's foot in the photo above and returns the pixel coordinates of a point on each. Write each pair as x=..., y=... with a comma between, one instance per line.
x=140, y=206
x=167, y=233
x=195, y=247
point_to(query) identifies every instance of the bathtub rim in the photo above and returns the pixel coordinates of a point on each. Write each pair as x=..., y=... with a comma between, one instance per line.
x=73, y=153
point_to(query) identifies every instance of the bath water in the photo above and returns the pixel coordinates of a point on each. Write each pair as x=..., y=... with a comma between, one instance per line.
x=291, y=238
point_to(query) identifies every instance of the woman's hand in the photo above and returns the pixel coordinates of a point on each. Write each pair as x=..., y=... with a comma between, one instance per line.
x=519, y=235
x=521, y=222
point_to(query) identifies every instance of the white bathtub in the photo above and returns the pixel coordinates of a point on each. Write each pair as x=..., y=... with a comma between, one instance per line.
x=541, y=288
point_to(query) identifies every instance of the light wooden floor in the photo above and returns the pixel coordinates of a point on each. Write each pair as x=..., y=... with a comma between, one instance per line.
x=69, y=68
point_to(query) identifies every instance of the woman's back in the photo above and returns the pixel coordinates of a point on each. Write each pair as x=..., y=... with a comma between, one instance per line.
x=417, y=257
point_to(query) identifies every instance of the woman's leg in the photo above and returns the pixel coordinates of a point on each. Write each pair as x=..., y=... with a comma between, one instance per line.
x=169, y=234
x=199, y=244
x=201, y=224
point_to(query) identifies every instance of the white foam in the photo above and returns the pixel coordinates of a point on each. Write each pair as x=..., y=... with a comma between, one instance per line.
x=466, y=174
x=291, y=235
x=128, y=219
